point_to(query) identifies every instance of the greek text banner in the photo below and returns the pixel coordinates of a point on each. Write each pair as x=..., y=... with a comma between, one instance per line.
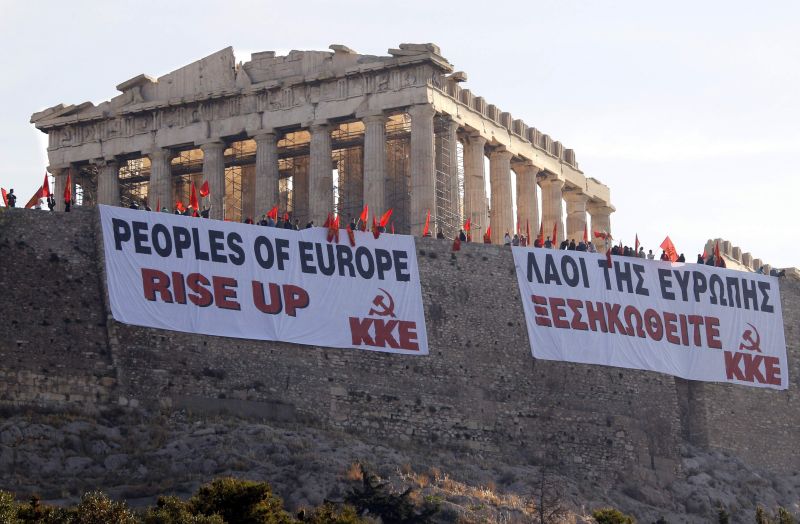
x=688, y=320
x=238, y=280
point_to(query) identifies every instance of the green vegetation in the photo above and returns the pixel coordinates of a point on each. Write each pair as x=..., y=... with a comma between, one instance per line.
x=223, y=501
x=612, y=516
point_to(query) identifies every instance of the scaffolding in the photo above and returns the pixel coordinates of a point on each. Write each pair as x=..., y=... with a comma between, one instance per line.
x=134, y=180
x=239, y=180
x=347, y=151
x=293, y=160
x=398, y=172
x=186, y=167
x=448, y=208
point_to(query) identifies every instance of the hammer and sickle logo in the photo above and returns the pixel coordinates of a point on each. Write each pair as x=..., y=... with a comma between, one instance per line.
x=382, y=309
x=748, y=343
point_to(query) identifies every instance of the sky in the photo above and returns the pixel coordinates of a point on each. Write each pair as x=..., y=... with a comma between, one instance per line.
x=687, y=110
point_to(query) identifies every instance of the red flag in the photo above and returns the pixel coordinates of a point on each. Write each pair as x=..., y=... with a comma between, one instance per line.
x=518, y=228
x=527, y=231
x=393, y=228
x=540, y=238
x=704, y=253
x=426, y=230
x=4, y=195
x=376, y=232
x=717, y=256
x=636, y=248
x=158, y=204
x=273, y=213
x=193, y=199
x=286, y=216
x=68, y=188
x=457, y=244
x=385, y=217
x=669, y=249
x=333, y=228
x=34, y=199
x=555, y=233
x=468, y=225
x=45, y=186
x=585, y=234
x=351, y=236
x=364, y=215
x=487, y=237
x=204, y=191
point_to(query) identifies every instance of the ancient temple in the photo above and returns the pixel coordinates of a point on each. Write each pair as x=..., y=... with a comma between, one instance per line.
x=317, y=132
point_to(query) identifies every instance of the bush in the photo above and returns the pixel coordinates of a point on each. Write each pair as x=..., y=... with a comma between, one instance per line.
x=240, y=502
x=96, y=508
x=172, y=510
x=612, y=516
x=8, y=508
x=329, y=513
x=374, y=496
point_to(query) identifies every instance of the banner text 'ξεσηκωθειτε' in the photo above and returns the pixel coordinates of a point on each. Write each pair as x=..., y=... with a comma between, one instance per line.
x=688, y=320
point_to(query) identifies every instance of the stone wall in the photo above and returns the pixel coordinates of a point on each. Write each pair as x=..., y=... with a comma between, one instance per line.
x=479, y=391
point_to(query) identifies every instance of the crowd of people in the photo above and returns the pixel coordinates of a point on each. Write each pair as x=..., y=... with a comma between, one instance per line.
x=285, y=222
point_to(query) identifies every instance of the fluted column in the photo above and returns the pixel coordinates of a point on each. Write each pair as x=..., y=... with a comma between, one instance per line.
x=552, y=208
x=160, y=187
x=527, y=197
x=320, y=181
x=502, y=216
x=475, y=183
x=267, y=176
x=375, y=162
x=214, y=173
x=601, y=221
x=423, y=172
x=60, y=180
x=576, y=214
x=108, y=182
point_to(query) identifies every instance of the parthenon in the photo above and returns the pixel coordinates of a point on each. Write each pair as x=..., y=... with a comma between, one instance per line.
x=317, y=132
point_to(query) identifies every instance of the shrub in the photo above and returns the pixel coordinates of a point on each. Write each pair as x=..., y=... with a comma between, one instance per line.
x=172, y=510
x=375, y=497
x=784, y=517
x=329, y=513
x=240, y=501
x=8, y=508
x=96, y=508
x=612, y=516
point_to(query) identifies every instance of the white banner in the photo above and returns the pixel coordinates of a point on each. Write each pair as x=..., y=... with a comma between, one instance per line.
x=246, y=281
x=688, y=320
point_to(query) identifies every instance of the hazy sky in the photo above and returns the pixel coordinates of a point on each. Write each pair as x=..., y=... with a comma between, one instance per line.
x=688, y=110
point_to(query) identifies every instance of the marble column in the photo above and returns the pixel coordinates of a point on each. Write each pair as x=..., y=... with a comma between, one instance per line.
x=266, y=194
x=160, y=187
x=423, y=172
x=108, y=182
x=320, y=181
x=214, y=173
x=375, y=163
x=475, y=185
x=601, y=221
x=60, y=180
x=527, y=198
x=552, y=208
x=502, y=212
x=576, y=214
